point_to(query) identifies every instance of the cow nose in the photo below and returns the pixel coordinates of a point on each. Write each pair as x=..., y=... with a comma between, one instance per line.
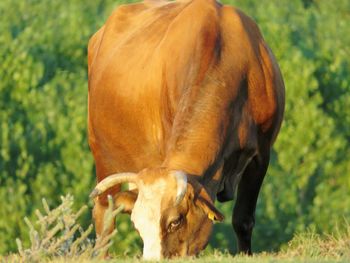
x=148, y=254
x=152, y=249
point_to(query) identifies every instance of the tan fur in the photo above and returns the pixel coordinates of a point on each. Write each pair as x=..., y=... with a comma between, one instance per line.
x=163, y=77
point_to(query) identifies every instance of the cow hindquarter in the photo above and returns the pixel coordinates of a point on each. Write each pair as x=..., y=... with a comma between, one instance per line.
x=258, y=125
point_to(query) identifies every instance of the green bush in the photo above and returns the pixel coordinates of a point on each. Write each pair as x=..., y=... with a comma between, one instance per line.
x=43, y=97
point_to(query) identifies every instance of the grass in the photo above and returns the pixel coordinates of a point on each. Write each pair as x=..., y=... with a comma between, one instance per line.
x=214, y=258
x=57, y=237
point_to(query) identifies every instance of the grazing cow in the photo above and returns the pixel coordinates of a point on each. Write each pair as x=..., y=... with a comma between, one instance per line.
x=185, y=102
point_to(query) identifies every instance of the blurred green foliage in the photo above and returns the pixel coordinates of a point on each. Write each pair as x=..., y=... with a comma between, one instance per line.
x=43, y=95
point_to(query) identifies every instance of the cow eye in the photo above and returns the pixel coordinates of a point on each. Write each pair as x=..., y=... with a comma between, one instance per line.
x=175, y=224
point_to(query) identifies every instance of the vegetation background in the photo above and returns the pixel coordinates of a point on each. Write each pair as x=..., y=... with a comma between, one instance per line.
x=43, y=99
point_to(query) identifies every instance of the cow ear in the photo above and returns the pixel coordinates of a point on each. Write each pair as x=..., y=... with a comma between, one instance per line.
x=127, y=199
x=204, y=201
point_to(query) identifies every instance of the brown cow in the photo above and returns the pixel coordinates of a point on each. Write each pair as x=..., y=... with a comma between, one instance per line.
x=185, y=101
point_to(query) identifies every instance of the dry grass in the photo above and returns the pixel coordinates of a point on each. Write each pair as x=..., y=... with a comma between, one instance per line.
x=57, y=237
x=313, y=245
x=57, y=234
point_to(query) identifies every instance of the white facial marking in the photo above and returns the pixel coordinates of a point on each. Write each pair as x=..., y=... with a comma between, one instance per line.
x=146, y=218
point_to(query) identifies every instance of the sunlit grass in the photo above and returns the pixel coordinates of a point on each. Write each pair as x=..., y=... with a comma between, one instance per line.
x=57, y=237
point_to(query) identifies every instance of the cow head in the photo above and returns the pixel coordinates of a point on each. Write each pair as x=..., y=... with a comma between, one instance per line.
x=172, y=213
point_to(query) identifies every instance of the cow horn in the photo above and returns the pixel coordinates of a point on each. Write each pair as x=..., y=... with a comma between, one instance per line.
x=112, y=180
x=181, y=180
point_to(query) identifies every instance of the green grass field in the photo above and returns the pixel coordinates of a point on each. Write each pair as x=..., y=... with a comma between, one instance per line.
x=216, y=257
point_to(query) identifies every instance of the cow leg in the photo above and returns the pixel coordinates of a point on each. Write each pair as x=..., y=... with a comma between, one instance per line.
x=103, y=225
x=243, y=218
x=99, y=211
x=101, y=202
